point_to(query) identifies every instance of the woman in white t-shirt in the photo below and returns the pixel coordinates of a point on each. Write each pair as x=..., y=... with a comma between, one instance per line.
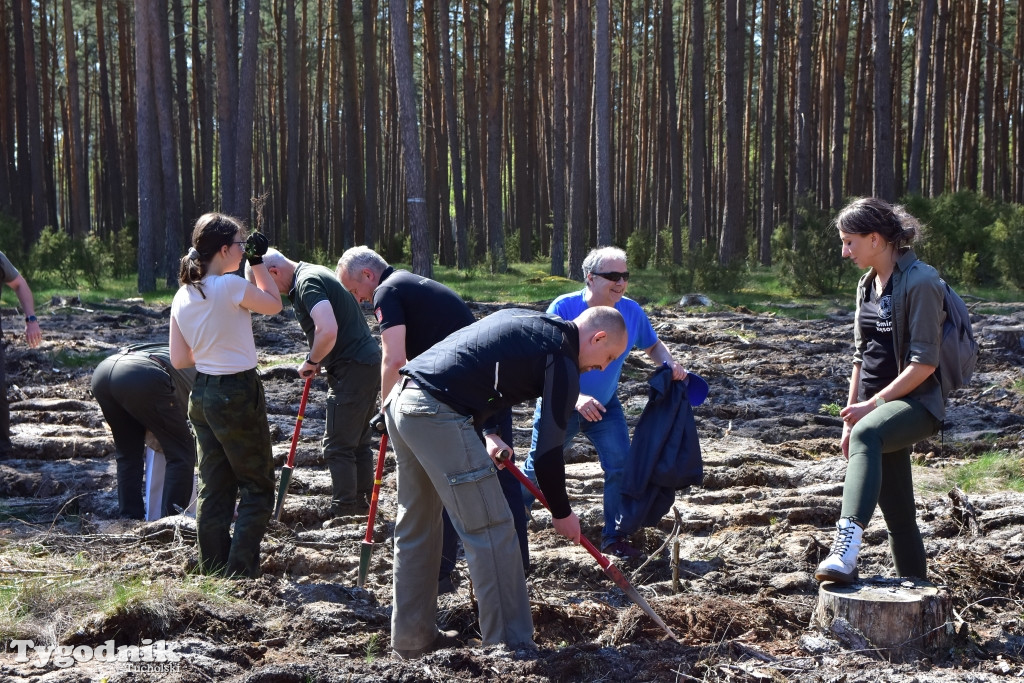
x=211, y=328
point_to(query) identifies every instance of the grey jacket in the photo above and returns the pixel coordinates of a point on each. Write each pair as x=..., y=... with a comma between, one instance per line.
x=917, y=316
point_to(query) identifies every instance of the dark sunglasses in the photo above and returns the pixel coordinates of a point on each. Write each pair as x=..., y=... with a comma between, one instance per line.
x=614, y=276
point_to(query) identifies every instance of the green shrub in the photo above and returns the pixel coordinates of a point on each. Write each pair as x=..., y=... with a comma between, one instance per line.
x=123, y=250
x=54, y=255
x=93, y=258
x=321, y=256
x=956, y=236
x=57, y=256
x=706, y=274
x=1008, y=244
x=816, y=265
x=639, y=249
x=396, y=248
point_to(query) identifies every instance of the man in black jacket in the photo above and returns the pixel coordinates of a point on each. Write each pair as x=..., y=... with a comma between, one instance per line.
x=414, y=313
x=457, y=387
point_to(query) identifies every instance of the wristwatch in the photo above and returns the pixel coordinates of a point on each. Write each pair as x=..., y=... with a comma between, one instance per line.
x=310, y=360
x=879, y=401
x=30, y=318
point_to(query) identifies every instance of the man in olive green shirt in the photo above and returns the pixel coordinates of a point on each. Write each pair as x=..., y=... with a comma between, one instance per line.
x=339, y=342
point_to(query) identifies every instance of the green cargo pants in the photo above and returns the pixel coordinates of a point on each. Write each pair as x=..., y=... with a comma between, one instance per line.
x=229, y=416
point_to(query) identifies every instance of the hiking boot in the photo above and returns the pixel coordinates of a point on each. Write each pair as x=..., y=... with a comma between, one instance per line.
x=841, y=564
x=623, y=550
x=443, y=640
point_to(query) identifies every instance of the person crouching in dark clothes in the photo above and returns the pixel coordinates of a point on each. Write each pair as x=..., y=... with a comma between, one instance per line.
x=211, y=328
x=414, y=313
x=449, y=393
x=138, y=391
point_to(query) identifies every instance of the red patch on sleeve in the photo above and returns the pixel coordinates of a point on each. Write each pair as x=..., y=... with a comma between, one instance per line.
x=378, y=314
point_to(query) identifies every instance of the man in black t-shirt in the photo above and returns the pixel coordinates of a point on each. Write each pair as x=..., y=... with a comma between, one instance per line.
x=414, y=313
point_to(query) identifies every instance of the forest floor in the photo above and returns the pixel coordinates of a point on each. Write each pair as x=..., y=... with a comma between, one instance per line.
x=75, y=576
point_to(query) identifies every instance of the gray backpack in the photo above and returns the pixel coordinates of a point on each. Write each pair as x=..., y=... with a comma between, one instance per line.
x=958, y=353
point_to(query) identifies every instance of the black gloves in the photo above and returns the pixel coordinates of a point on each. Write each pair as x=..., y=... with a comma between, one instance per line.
x=255, y=247
x=377, y=423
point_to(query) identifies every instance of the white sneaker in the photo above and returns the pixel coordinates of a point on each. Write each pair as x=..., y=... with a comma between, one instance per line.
x=841, y=564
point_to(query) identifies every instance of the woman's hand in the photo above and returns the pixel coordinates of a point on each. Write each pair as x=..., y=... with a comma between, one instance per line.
x=855, y=412
x=844, y=443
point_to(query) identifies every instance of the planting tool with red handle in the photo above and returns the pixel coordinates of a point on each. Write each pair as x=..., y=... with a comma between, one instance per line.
x=286, y=470
x=610, y=570
x=366, y=549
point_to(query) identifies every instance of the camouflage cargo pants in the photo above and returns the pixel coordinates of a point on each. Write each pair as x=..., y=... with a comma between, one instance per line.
x=229, y=416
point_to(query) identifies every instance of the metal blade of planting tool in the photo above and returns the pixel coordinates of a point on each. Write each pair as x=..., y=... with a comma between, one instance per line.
x=610, y=570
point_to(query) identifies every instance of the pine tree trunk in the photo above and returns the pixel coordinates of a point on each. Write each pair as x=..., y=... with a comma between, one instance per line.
x=188, y=200
x=78, y=165
x=884, y=180
x=767, y=211
x=460, y=227
x=937, y=165
x=148, y=150
x=733, y=243
x=412, y=161
x=495, y=87
x=603, y=124
x=160, y=73
x=371, y=122
x=558, y=87
x=698, y=131
x=36, y=213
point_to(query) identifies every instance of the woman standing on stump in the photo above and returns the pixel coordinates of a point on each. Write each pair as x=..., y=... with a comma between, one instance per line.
x=895, y=399
x=211, y=328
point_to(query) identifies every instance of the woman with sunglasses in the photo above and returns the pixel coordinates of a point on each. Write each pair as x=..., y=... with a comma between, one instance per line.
x=598, y=413
x=211, y=328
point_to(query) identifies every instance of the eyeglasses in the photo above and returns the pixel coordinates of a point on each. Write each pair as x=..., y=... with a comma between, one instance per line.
x=614, y=276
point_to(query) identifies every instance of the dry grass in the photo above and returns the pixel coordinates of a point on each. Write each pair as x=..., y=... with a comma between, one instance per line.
x=49, y=589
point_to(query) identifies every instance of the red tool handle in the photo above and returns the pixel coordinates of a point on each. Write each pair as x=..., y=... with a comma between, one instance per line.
x=505, y=459
x=298, y=421
x=377, y=481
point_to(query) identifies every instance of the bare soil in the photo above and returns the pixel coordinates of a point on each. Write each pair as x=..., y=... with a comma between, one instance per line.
x=748, y=539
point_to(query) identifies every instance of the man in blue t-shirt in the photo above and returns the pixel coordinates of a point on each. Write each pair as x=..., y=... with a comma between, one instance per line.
x=598, y=412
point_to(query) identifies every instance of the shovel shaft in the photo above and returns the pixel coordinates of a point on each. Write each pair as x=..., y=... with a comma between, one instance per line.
x=298, y=421
x=610, y=570
x=366, y=548
x=377, y=480
x=289, y=466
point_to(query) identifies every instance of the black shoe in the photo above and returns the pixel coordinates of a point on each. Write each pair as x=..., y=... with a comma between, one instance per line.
x=449, y=583
x=623, y=550
x=357, y=509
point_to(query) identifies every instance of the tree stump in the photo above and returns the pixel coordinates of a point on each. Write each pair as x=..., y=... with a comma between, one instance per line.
x=1008, y=336
x=899, y=619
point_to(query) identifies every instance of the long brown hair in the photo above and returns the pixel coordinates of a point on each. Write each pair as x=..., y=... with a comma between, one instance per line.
x=213, y=231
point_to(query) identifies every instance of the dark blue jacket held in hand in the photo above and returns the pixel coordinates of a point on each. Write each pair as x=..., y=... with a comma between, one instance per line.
x=665, y=452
